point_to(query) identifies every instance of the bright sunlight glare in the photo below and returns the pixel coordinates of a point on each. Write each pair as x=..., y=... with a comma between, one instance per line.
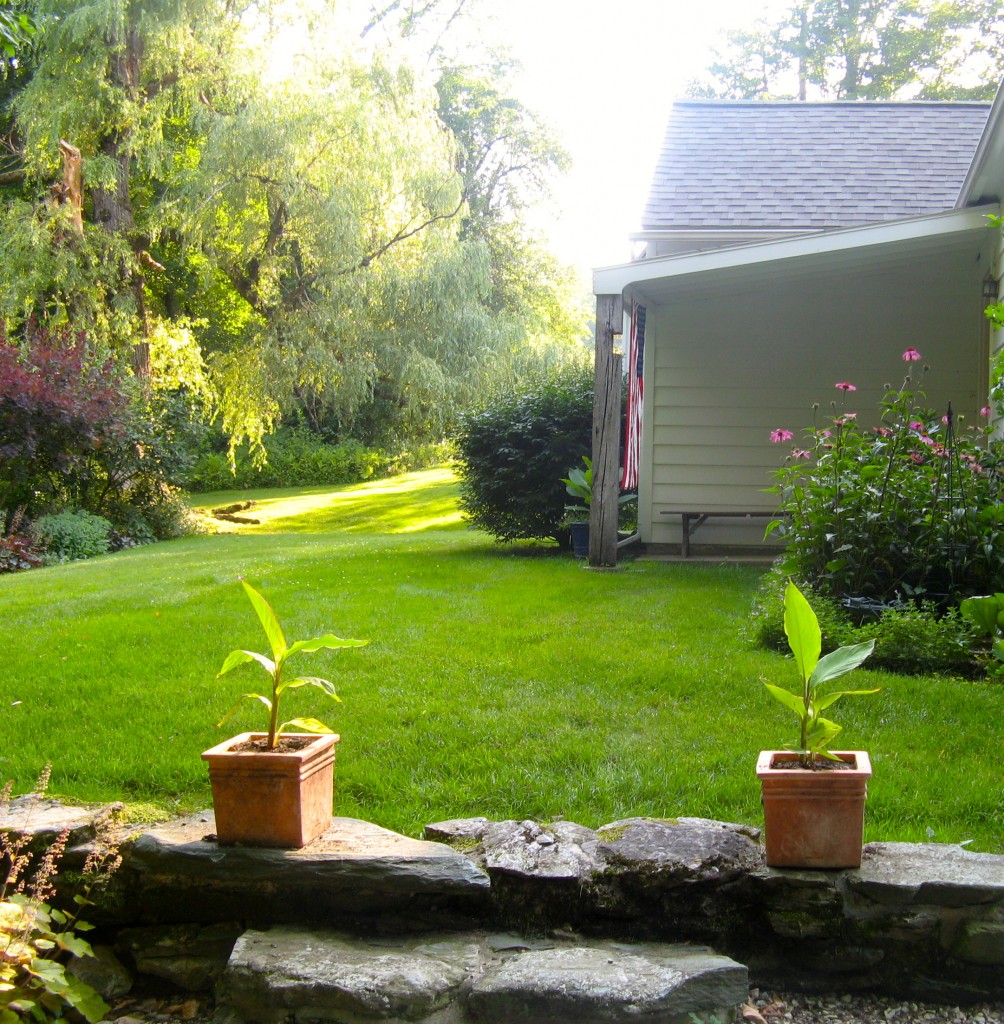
x=603, y=75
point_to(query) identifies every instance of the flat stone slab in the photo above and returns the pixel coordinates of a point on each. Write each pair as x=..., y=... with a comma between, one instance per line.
x=354, y=868
x=299, y=974
x=610, y=983
x=327, y=977
x=932, y=874
x=674, y=851
x=43, y=820
x=680, y=849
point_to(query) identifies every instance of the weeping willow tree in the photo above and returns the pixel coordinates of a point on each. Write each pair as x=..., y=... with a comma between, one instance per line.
x=305, y=230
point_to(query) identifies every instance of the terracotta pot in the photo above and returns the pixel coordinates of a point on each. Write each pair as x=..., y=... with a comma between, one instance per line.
x=281, y=799
x=813, y=819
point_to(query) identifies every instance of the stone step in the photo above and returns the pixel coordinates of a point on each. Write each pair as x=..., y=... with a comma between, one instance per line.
x=297, y=974
x=354, y=872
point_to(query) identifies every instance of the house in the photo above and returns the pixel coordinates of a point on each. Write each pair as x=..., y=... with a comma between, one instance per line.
x=788, y=247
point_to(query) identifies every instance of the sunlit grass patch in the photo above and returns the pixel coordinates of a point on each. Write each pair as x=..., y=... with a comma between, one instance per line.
x=410, y=503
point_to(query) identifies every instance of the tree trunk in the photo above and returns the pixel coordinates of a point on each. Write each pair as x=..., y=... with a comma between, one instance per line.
x=72, y=191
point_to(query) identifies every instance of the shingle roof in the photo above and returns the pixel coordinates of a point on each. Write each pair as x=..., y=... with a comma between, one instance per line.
x=810, y=165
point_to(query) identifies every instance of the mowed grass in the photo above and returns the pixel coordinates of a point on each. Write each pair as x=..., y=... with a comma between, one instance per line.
x=504, y=681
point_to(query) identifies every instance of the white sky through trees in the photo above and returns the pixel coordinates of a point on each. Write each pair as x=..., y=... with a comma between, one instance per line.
x=603, y=73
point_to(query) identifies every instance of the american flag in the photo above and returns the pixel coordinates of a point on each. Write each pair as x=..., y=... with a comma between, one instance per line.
x=635, y=394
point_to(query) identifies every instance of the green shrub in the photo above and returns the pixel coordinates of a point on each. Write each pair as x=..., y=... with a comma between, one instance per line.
x=513, y=452
x=911, y=638
x=922, y=640
x=298, y=457
x=67, y=536
x=910, y=509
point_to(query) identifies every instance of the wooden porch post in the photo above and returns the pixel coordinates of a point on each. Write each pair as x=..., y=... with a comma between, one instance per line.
x=606, y=433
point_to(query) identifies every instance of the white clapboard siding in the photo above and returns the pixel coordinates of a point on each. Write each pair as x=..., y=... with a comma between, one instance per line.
x=722, y=372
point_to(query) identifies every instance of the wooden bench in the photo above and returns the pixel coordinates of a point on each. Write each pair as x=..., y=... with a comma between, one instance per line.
x=691, y=521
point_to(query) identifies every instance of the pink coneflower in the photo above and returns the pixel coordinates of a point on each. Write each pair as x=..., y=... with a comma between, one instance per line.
x=883, y=431
x=911, y=355
x=779, y=436
x=826, y=433
x=916, y=425
x=844, y=386
x=916, y=457
x=924, y=439
x=985, y=412
x=800, y=453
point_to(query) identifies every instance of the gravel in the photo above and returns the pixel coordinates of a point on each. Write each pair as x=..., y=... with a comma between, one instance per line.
x=763, y=1008
x=797, y=1008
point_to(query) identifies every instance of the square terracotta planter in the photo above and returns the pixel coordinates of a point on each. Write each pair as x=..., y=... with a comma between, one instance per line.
x=278, y=798
x=813, y=819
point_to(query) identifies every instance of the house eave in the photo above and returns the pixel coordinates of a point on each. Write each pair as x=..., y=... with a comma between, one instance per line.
x=985, y=180
x=742, y=235
x=927, y=229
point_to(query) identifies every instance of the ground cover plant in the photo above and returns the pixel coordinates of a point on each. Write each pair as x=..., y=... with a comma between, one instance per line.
x=505, y=681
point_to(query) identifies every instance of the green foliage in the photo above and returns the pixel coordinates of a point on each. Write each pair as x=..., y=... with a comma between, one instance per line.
x=281, y=653
x=987, y=615
x=33, y=983
x=67, y=536
x=875, y=50
x=579, y=483
x=804, y=638
x=512, y=452
x=83, y=435
x=304, y=228
x=913, y=638
x=37, y=939
x=909, y=509
x=920, y=639
x=16, y=29
x=298, y=457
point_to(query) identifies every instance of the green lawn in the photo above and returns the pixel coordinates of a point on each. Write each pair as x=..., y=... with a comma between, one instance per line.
x=505, y=681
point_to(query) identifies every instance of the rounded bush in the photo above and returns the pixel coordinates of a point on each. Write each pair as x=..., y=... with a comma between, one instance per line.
x=67, y=536
x=514, y=450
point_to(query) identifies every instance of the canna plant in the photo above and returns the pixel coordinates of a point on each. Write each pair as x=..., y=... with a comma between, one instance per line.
x=805, y=640
x=987, y=614
x=579, y=484
x=274, y=666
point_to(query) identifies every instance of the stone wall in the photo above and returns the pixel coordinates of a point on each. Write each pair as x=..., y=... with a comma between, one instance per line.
x=921, y=920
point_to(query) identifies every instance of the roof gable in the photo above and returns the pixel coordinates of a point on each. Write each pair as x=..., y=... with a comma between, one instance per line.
x=810, y=166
